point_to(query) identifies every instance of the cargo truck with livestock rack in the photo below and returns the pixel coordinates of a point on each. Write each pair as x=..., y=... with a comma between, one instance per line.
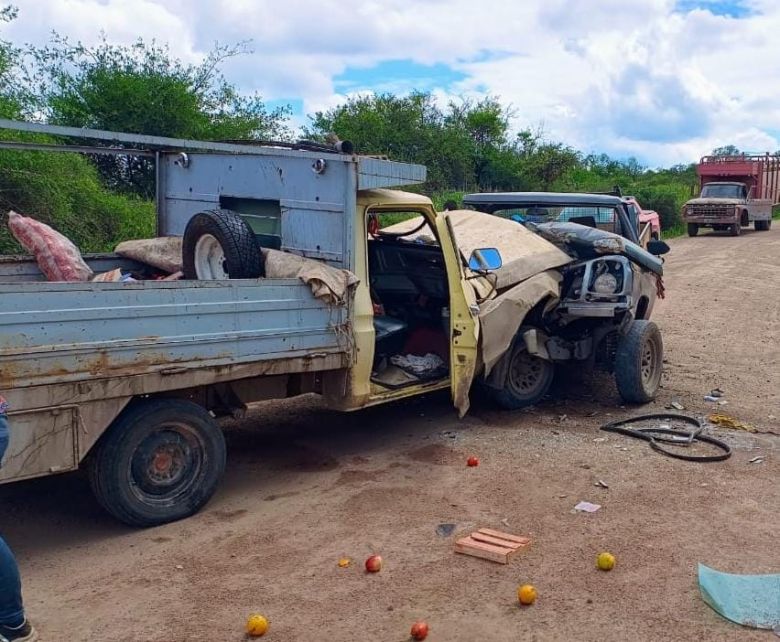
x=735, y=191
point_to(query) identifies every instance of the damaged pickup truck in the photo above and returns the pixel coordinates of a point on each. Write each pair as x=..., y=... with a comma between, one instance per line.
x=587, y=302
x=291, y=285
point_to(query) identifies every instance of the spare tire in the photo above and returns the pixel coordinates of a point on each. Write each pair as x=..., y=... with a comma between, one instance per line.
x=220, y=245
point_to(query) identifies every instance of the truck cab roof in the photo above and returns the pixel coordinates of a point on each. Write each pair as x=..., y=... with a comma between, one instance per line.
x=518, y=199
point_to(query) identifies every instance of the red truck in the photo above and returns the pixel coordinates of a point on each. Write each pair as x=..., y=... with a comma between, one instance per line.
x=735, y=191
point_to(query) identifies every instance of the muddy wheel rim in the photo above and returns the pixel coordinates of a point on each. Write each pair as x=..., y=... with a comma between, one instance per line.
x=526, y=372
x=650, y=366
x=166, y=464
x=210, y=261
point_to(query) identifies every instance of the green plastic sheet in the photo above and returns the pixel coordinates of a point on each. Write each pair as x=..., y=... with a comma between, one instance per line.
x=750, y=600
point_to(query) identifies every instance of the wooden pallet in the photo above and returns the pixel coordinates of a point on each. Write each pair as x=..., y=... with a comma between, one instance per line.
x=491, y=545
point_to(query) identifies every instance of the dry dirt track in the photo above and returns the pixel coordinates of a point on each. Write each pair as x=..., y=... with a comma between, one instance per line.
x=307, y=486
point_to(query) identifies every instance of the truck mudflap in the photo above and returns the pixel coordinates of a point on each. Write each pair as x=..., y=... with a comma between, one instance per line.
x=589, y=243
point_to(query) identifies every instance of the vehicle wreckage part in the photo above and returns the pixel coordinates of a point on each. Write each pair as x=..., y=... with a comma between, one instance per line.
x=589, y=243
x=160, y=461
x=639, y=362
x=520, y=379
x=220, y=245
x=501, y=318
x=598, y=288
x=658, y=436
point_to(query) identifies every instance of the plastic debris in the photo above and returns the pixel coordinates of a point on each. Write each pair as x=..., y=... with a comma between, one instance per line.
x=57, y=257
x=445, y=530
x=425, y=366
x=727, y=421
x=756, y=460
x=710, y=398
x=601, y=483
x=716, y=392
x=676, y=405
x=587, y=507
x=749, y=600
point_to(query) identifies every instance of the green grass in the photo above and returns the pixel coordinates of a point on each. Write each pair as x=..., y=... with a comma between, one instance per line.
x=65, y=191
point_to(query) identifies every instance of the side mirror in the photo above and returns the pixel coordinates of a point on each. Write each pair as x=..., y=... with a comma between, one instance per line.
x=485, y=260
x=657, y=248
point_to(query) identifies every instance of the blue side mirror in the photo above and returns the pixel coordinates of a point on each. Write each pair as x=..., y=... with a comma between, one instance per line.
x=485, y=260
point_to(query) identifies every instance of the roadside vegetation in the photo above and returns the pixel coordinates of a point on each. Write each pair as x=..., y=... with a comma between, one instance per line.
x=98, y=200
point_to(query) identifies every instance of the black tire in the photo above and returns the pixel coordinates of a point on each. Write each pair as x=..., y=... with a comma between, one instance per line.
x=160, y=461
x=761, y=226
x=528, y=378
x=693, y=229
x=735, y=229
x=242, y=256
x=639, y=362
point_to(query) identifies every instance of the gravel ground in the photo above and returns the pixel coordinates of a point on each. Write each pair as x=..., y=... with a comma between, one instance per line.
x=306, y=486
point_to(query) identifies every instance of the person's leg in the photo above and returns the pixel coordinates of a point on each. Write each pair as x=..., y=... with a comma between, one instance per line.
x=11, y=610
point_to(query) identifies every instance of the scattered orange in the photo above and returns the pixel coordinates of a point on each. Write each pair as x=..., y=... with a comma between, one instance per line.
x=526, y=594
x=605, y=561
x=256, y=625
x=344, y=562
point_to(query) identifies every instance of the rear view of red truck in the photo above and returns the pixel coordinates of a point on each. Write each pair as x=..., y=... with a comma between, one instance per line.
x=735, y=192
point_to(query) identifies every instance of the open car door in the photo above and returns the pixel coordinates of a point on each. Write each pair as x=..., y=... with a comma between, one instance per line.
x=464, y=329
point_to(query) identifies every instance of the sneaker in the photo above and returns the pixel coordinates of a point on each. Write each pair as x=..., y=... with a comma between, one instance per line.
x=24, y=633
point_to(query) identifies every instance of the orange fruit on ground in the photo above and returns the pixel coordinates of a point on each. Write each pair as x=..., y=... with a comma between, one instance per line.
x=256, y=625
x=526, y=594
x=605, y=561
x=344, y=562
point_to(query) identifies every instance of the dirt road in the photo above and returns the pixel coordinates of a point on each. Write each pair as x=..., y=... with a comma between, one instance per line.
x=306, y=487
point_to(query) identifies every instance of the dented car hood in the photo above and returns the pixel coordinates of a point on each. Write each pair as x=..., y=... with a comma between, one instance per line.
x=590, y=243
x=523, y=253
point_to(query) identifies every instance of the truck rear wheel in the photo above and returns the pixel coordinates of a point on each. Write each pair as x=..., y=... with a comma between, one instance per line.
x=528, y=378
x=639, y=362
x=735, y=229
x=693, y=229
x=220, y=245
x=160, y=461
x=761, y=226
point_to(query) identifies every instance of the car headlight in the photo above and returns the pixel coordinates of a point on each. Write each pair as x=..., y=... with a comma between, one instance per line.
x=605, y=283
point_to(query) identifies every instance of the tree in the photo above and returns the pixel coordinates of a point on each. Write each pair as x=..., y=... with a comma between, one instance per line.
x=144, y=89
x=726, y=150
x=464, y=145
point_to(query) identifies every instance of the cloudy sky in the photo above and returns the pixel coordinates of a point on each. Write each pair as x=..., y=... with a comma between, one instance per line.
x=662, y=80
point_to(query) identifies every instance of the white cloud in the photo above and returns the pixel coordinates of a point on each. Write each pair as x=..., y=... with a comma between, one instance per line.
x=634, y=78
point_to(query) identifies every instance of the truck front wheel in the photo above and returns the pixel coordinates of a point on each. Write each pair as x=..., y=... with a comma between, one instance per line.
x=528, y=378
x=160, y=461
x=639, y=362
x=735, y=229
x=693, y=229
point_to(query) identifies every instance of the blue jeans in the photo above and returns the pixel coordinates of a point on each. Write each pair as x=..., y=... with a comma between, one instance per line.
x=11, y=610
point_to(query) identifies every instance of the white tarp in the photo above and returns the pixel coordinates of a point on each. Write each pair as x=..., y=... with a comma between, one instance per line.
x=328, y=283
x=163, y=253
